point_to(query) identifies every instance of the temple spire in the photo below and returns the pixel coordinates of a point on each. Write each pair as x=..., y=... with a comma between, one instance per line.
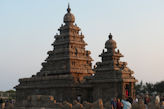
x=68, y=9
x=110, y=36
x=69, y=17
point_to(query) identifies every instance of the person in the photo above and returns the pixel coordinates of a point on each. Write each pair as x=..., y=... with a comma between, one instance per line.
x=6, y=104
x=127, y=104
x=119, y=104
x=79, y=99
x=136, y=100
x=157, y=98
x=9, y=104
x=162, y=105
x=162, y=99
x=1, y=101
x=3, y=105
x=146, y=101
x=139, y=105
x=154, y=104
x=114, y=103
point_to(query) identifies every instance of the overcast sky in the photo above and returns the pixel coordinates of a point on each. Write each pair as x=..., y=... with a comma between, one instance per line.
x=27, y=29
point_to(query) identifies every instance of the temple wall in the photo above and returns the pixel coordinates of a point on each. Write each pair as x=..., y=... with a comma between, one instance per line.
x=106, y=91
x=60, y=94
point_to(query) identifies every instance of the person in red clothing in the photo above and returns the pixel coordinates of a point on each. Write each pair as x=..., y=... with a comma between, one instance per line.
x=119, y=104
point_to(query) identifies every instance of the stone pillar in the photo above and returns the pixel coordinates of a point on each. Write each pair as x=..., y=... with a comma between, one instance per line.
x=123, y=90
x=132, y=90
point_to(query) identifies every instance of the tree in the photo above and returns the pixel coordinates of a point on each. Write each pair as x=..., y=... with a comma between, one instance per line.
x=139, y=88
x=149, y=87
x=159, y=87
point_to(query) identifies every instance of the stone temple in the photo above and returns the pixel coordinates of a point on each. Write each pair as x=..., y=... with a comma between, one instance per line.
x=67, y=73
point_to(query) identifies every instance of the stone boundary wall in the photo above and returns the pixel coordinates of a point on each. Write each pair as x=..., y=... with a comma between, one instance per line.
x=48, y=102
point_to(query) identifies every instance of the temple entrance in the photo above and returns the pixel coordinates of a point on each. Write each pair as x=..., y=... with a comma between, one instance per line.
x=127, y=90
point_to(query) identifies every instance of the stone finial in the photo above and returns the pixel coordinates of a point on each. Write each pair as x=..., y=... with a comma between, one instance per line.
x=110, y=36
x=110, y=44
x=69, y=17
x=68, y=9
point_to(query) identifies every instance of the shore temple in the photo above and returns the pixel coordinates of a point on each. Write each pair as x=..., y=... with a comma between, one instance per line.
x=67, y=72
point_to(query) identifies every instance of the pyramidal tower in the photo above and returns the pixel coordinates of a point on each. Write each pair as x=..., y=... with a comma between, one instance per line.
x=64, y=69
x=68, y=56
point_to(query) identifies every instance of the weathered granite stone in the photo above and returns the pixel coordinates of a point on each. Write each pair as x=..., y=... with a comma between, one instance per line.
x=87, y=105
x=77, y=105
x=67, y=105
x=98, y=104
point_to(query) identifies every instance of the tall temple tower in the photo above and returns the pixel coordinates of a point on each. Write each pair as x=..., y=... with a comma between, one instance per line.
x=69, y=55
x=63, y=72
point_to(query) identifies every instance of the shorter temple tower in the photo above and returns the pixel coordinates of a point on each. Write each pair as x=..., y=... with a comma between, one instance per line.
x=112, y=78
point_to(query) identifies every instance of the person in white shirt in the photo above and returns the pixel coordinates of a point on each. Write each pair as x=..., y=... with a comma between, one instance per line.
x=157, y=98
x=127, y=103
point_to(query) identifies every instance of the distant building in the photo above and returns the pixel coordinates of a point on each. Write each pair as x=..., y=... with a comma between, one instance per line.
x=67, y=73
x=7, y=94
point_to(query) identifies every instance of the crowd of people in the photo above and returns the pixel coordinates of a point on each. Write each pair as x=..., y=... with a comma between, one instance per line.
x=6, y=104
x=141, y=102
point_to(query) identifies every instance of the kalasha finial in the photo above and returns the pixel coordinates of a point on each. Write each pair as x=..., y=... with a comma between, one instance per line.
x=110, y=36
x=68, y=9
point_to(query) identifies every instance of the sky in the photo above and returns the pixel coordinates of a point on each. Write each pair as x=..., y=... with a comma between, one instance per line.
x=27, y=29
